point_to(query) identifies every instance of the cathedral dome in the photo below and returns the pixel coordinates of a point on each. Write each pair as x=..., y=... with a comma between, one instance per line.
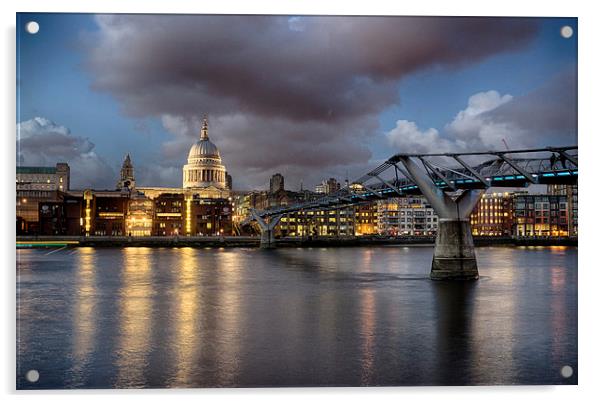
x=204, y=168
x=203, y=148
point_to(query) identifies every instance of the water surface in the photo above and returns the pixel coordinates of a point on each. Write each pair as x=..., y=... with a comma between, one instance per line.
x=183, y=317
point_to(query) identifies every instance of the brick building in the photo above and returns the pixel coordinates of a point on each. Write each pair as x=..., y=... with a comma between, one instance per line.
x=35, y=185
x=492, y=215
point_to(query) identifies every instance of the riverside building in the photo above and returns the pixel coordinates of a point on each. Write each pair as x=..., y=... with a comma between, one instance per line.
x=540, y=215
x=409, y=215
x=492, y=215
x=36, y=185
x=202, y=206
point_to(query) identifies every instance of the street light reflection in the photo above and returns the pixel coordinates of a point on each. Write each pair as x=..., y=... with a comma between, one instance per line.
x=186, y=315
x=135, y=308
x=84, y=312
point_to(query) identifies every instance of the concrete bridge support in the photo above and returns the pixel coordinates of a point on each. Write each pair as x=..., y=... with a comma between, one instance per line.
x=454, y=256
x=268, y=241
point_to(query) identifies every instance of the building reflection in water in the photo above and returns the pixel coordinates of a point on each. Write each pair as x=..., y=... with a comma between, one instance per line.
x=564, y=318
x=135, y=311
x=139, y=317
x=186, y=317
x=228, y=323
x=367, y=305
x=332, y=313
x=368, y=321
x=84, y=313
x=523, y=298
x=493, y=328
x=560, y=317
x=26, y=310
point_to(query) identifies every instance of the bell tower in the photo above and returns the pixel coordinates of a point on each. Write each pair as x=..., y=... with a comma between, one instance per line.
x=126, y=179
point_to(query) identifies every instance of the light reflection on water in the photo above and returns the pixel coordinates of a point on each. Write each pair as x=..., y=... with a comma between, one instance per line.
x=134, y=317
x=84, y=314
x=183, y=317
x=368, y=321
x=228, y=317
x=185, y=314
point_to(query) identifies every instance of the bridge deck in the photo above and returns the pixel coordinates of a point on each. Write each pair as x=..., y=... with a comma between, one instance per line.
x=559, y=166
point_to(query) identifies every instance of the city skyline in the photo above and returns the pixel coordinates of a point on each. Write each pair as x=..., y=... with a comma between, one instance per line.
x=365, y=111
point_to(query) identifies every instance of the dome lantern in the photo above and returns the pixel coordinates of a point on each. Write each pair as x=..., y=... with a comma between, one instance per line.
x=205, y=130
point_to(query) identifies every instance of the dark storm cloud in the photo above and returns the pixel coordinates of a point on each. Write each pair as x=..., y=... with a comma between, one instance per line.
x=327, y=68
x=302, y=91
x=256, y=147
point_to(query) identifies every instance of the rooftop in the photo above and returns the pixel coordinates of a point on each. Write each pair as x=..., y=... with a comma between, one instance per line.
x=36, y=170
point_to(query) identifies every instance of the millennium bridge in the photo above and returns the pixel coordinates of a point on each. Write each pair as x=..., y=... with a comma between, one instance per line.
x=452, y=183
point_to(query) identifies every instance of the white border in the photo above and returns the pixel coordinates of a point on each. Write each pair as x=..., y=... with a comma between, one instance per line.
x=589, y=32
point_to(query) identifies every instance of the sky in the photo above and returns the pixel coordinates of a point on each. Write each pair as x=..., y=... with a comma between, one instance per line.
x=310, y=97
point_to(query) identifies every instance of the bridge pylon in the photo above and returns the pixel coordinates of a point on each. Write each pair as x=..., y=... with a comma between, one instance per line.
x=267, y=225
x=454, y=256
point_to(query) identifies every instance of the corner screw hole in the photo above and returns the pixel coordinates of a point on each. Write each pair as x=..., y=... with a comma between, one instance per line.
x=566, y=371
x=32, y=27
x=566, y=32
x=32, y=376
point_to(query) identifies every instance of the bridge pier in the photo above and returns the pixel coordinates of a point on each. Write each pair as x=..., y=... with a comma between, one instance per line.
x=267, y=240
x=454, y=255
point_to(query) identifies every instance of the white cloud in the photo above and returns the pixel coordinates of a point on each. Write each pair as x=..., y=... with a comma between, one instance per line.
x=42, y=142
x=471, y=129
x=407, y=137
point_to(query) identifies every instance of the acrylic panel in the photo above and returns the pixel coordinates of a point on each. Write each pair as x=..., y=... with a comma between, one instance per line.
x=264, y=201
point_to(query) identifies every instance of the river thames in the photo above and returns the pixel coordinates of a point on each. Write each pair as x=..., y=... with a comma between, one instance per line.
x=246, y=317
